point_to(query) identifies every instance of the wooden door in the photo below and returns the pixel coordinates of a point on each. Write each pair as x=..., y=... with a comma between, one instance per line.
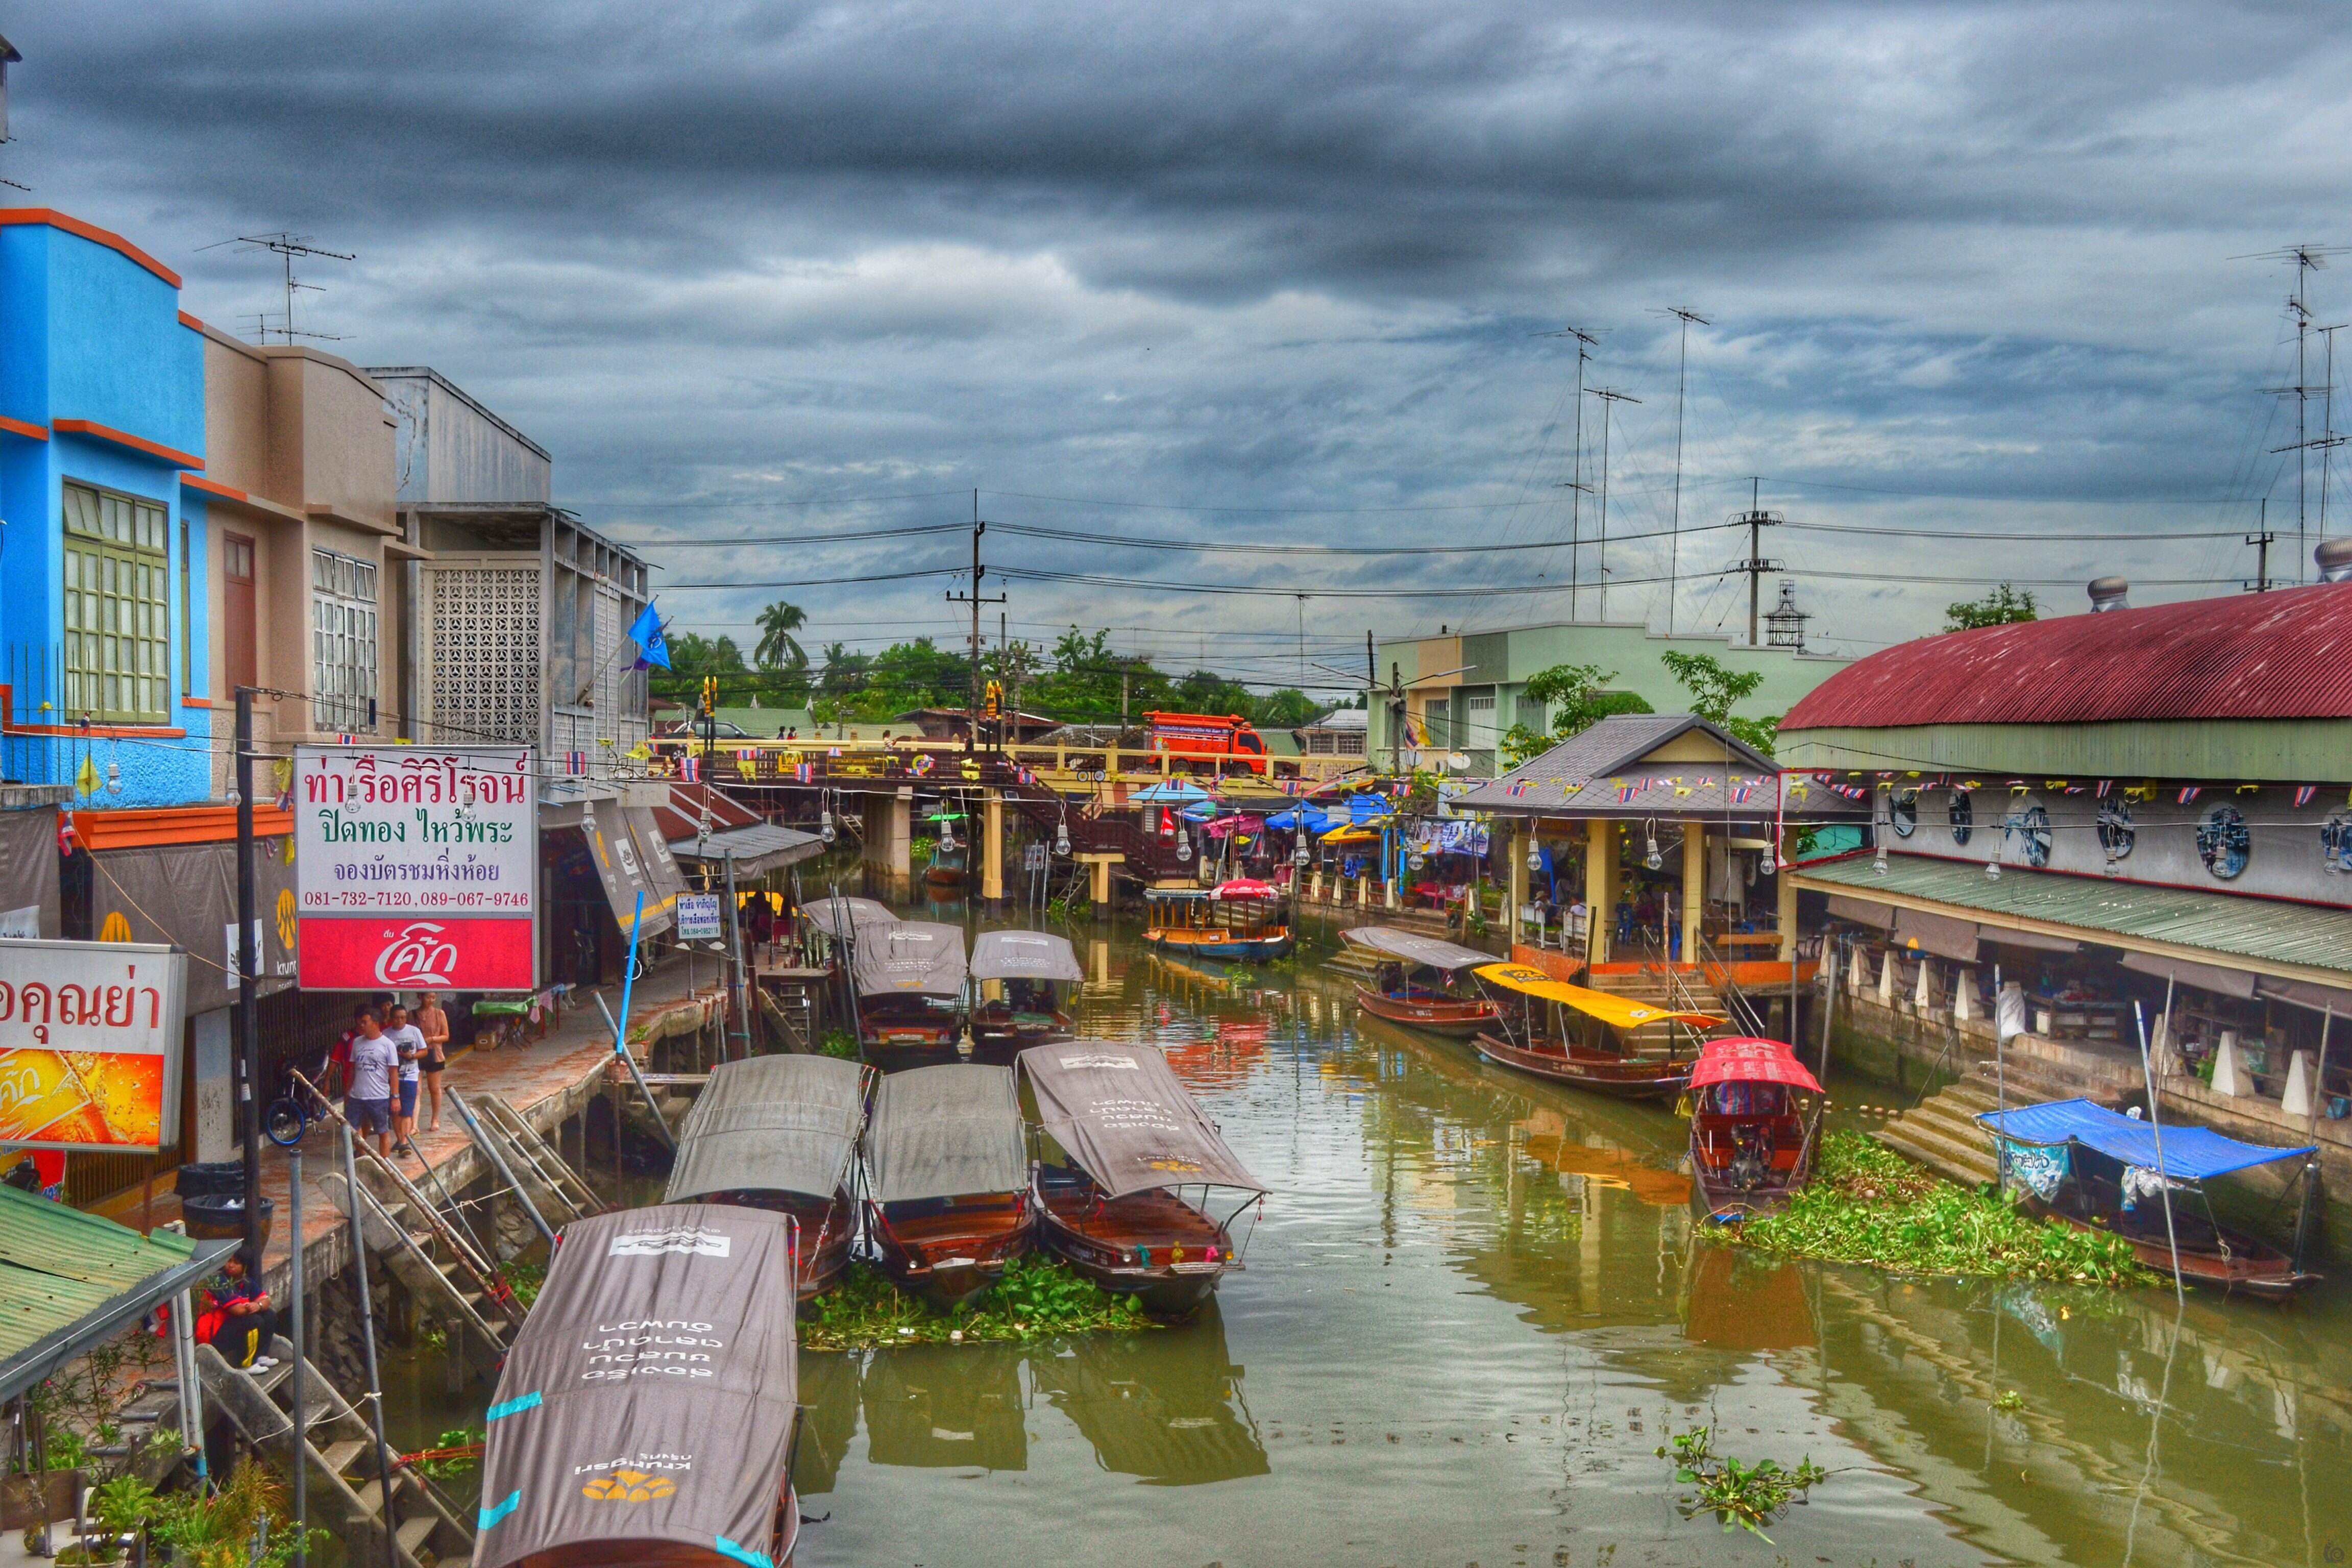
x=239, y=629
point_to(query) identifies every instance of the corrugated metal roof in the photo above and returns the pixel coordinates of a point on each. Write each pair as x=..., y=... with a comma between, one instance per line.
x=2283, y=655
x=2264, y=930
x=68, y=1278
x=1587, y=774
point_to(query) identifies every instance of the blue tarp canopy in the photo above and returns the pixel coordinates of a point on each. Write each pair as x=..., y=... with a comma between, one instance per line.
x=2190, y=1153
x=1284, y=821
x=1171, y=792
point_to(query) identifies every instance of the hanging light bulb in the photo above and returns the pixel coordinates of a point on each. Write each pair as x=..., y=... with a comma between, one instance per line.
x=1302, y=857
x=1992, y=870
x=825, y=828
x=1183, y=844
x=233, y=797
x=114, y=778
x=1062, y=839
x=1650, y=856
x=1765, y=863
x=1878, y=862
x=1535, y=856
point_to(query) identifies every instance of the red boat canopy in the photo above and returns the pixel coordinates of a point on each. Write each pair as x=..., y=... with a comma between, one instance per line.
x=1750, y=1061
x=1244, y=888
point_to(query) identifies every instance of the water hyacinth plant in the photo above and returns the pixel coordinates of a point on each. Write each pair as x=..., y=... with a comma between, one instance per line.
x=1743, y=1496
x=1868, y=1204
x=1037, y=1299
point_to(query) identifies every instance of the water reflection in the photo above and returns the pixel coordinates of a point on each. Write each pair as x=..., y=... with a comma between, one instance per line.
x=1737, y=1302
x=1165, y=1407
x=934, y=1406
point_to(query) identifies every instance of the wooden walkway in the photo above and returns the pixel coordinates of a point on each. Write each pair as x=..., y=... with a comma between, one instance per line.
x=548, y=1083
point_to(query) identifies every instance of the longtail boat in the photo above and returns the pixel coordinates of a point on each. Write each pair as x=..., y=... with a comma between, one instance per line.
x=910, y=979
x=1752, y=1143
x=1575, y=1035
x=648, y=1411
x=1416, y=981
x=1238, y=919
x=1126, y=1142
x=2096, y=1169
x=1029, y=964
x=780, y=1133
x=947, y=1179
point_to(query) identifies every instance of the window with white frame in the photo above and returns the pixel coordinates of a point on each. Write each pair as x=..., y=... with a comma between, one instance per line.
x=1478, y=722
x=118, y=608
x=342, y=642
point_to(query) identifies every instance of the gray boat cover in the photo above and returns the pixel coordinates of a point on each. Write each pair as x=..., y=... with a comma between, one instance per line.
x=1125, y=1118
x=1415, y=948
x=837, y=916
x=947, y=1131
x=1024, y=955
x=909, y=958
x=650, y=1394
x=786, y=1124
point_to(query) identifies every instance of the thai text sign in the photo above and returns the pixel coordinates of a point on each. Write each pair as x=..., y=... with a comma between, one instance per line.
x=698, y=916
x=417, y=865
x=89, y=1044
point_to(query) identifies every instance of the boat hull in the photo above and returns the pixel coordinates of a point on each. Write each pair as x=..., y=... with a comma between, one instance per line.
x=1165, y=1253
x=1432, y=1015
x=948, y=1265
x=2249, y=1268
x=1221, y=944
x=1621, y=1077
x=826, y=1232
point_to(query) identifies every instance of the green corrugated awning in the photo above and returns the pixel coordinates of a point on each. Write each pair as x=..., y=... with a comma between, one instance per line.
x=2263, y=936
x=70, y=1280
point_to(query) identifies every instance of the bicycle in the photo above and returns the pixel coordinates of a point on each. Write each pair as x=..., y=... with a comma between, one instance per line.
x=512, y=1025
x=289, y=1117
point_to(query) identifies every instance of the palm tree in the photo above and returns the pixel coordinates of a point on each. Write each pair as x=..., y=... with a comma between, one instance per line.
x=778, y=649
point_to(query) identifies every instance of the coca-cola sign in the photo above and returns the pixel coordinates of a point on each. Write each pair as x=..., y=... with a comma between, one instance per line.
x=89, y=1044
x=415, y=866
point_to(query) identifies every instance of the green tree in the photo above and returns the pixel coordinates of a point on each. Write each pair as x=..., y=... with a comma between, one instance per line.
x=2003, y=606
x=1287, y=709
x=1576, y=696
x=778, y=648
x=1713, y=690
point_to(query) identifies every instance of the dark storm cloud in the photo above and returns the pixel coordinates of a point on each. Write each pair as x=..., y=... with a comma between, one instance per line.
x=1972, y=261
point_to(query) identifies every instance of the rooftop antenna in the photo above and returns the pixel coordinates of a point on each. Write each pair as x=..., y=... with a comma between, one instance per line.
x=2306, y=259
x=1755, y=520
x=1608, y=396
x=1682, y=376
x=8, y=57
x=287, y=246
x=1576, y=487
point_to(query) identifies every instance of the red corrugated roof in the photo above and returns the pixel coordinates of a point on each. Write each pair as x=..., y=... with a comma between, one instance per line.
x=2283, y=654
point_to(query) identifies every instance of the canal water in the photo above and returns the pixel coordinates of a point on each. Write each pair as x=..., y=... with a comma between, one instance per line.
x=1474, y=1308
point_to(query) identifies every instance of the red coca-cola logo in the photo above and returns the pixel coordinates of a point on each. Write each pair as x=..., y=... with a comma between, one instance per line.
x=401, y=952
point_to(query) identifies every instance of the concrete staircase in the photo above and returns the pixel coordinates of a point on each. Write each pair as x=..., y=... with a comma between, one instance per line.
x=1942, y=1131
x=1681, y=992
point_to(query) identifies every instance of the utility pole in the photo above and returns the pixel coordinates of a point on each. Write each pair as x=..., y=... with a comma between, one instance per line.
x=1755, y=566
x=1681, y=378
x=972, y=710
x=2261, y=539
x=1576, y=487
x=1607, y=397
x=249, y=971
x=1396, y=720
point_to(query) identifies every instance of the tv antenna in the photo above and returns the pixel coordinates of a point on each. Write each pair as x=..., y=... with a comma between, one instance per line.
x=1576, y=487
x=286, y=247
x=2306, y=259
x=1682, y=377
x=1608, y=396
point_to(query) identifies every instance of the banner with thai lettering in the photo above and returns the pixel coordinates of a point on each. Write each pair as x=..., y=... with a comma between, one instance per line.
x=417, y=865
x=89, y=1044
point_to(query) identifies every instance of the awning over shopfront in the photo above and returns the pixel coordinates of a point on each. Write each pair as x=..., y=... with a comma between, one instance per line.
x=632, y=858
x=2258, y=936
x=185, y=895
x=29, y=872
x=70, y=1280
x=756, y=850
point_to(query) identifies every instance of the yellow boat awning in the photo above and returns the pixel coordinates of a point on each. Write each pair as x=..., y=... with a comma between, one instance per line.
x=1620, y=1011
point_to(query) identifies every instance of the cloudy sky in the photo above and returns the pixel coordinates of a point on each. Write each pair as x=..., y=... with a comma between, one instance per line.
x=1279, y=275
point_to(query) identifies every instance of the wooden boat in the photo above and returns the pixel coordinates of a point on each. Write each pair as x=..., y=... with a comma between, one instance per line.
x=2096, y=1169
x=909, y=978
x=1571, y=1035
x=1125, y=1141
x=780, y=1133
x=1240, y=920
x=1029, y=965
x=947, y=1179
x=648, y=1412
x=1751, y=1142
x=1416, y=981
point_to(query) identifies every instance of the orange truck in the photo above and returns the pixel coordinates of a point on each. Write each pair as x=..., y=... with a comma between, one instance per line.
x=1208, y=735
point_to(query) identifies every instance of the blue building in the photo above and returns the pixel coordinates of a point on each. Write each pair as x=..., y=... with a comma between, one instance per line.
x=103, y=616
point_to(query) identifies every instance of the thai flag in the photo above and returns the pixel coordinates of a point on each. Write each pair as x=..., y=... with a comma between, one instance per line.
x=575, y=762
x=2103, y=787
x=690, y=768
x=1741, y=791
x=1626, y=792
x=2304, y=792
x=2190, y=793
x=804, y=773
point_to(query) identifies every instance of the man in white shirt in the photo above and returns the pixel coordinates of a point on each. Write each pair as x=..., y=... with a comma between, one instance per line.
x=367, y=1104
x=409, y=1040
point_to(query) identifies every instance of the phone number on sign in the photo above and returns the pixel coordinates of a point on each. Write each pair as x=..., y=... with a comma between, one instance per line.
x=387, y=900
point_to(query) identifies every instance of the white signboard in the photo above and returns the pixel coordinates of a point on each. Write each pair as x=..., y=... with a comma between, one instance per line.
x=698, y=916
x=89, y=1044
x=417, y=865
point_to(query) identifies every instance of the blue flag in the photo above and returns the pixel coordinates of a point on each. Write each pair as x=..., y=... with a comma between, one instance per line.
x=647, y=631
